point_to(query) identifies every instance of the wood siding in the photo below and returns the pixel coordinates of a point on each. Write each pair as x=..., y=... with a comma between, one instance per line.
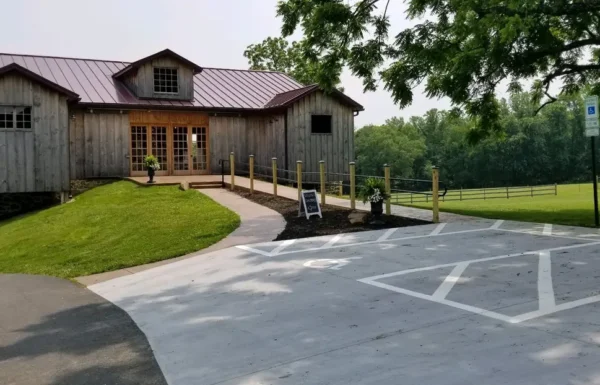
x=141, y=82
x=336, y=149
x=227, y=134
x=99, y=144
x=36, y=159
x=261, y=136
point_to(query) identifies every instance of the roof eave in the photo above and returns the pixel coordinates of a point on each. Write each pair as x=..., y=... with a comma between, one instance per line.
x=166, y=52
x=14, y=67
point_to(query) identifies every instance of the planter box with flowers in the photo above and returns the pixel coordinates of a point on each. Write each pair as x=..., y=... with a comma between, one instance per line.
x=373, y=191
x=152, y=166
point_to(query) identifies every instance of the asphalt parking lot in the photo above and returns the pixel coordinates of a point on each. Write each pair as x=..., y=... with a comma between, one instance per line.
x=482, y=302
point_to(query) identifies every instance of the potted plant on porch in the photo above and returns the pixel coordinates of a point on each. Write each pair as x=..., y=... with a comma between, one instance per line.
x=152, y=165
x=373, y=191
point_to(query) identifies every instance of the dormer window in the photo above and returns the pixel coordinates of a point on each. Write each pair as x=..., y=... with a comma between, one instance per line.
x=166, y=80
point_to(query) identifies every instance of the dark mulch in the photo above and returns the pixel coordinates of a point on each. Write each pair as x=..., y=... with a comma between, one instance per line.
x=335, y=219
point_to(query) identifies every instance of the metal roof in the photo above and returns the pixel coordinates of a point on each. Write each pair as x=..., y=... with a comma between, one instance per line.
x=214, y=88
x=287, y=98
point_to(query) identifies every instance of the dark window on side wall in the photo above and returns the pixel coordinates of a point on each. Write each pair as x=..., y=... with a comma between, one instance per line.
x=321, y=124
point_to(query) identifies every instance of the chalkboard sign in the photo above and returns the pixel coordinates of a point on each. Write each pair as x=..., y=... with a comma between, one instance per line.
x=309, y=204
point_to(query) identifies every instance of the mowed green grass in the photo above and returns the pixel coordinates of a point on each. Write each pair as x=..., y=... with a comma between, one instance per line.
x=112, y=227
x=574, y=205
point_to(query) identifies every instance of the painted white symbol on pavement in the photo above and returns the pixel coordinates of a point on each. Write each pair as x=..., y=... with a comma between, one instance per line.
x=332, y=264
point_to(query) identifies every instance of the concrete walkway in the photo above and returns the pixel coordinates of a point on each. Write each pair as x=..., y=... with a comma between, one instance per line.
x=292, y=193
x=258, y=224
x=54, y=332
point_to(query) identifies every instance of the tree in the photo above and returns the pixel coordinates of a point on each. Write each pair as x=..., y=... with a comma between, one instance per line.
x=394, y=142
x=462, y=50
x=276, y=54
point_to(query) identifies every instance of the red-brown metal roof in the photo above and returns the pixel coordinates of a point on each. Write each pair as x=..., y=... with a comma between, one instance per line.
x=14, y=67
x=214, y=88
x=285, y=99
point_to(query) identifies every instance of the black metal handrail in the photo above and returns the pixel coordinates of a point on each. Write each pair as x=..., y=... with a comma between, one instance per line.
x=222, y=164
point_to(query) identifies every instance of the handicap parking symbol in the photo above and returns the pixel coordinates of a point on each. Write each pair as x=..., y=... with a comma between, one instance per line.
x=591, y=110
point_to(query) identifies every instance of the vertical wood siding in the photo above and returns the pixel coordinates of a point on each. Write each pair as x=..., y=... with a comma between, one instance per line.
x=141, y=82
x=36, y=159
x=99, y=144
x=336, y=149
x=227, y=134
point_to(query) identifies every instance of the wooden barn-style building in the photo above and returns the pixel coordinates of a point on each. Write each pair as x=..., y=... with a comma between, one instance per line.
x=64, y=118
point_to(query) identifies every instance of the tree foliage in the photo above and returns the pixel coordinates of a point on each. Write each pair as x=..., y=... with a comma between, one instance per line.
x=460, y=49
x=548, y=147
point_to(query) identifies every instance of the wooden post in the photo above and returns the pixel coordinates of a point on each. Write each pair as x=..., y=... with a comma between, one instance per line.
x=435, y=193
x=299, y=179
x=484, y=193
x=532, y=191
x=555, y=189
x=274, y=166
x=388, y=205
x=352, y=185
x=340, y=188
x=251, y=174
x=232, y=168
x=507, y=196
x=322, y=175
x=461, y=193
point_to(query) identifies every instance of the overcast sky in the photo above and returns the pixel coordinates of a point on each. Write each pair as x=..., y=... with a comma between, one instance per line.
x=211, y=33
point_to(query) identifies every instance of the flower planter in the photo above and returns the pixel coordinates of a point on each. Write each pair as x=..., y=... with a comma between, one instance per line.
x=151, y=175
x=377, y=208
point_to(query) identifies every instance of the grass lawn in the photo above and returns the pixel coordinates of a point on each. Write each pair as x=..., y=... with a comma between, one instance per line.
x=574, y=205
x=111, y=227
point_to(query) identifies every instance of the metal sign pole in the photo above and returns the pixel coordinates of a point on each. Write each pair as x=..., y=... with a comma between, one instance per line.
x=592, y=129
x=595, y=179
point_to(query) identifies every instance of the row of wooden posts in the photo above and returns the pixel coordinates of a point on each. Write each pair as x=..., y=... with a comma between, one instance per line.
x=387, y=179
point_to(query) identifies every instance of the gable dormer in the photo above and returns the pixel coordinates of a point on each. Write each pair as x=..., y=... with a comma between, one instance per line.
x=164, y=75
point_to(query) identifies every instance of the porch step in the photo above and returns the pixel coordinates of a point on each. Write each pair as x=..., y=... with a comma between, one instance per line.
x=203, y=185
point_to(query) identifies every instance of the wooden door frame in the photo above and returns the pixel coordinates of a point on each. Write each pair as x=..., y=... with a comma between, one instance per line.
x=170, y=119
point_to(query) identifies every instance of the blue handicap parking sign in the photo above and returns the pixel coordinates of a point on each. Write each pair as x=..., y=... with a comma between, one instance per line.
x=591, y=110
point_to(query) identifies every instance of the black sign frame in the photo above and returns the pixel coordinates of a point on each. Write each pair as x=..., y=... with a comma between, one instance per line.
x=302, y=204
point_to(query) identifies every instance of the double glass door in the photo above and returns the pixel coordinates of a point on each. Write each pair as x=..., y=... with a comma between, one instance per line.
x=180, y=150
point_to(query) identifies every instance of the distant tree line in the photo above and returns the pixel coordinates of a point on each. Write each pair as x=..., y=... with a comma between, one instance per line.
x=533, y=148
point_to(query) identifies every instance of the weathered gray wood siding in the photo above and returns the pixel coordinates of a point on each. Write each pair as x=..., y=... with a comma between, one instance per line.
x=227, y=134
x=141, y=82
x=36, y=159
x=99, y=144
x=336, y=149
x=266, y=139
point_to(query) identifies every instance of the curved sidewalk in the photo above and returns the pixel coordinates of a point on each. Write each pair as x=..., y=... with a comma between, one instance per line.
x=257, y=224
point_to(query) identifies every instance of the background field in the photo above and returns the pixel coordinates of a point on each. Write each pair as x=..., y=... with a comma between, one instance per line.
x=573, y=205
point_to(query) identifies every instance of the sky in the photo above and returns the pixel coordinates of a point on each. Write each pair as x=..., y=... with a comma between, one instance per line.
x=211, y=33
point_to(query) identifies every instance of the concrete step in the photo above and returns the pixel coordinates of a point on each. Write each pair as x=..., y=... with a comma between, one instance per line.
x=203, y=185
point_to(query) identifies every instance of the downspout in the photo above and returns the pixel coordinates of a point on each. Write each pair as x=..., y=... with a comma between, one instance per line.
x=285, y=136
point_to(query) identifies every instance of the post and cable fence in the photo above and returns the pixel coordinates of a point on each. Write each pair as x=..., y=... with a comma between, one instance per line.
x=347, y=185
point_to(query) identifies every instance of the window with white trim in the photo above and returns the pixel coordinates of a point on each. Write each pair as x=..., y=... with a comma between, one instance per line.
x=166, y=80
x=15, y=117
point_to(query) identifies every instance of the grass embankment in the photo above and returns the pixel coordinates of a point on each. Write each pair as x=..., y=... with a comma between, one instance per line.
x=112, y=227
x=573, y=205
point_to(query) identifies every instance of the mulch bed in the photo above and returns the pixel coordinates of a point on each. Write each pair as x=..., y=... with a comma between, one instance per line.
x=335, y=219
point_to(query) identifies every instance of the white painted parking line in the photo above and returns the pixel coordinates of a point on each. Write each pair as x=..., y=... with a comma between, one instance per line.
x=367, y=242
x=497, y=224
x=387, y=234
x=450, y=281
x=253, y=250
x=545, y=286
x=457, y=305
x=545, y=290
x=438, y=229
x=547, y=229
x=332, y=242
x=531, y=232
x=282, y=246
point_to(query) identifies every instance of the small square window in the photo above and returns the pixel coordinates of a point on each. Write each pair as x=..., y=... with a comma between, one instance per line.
x=320, y=124
x=15, y=117
x=166, y=80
